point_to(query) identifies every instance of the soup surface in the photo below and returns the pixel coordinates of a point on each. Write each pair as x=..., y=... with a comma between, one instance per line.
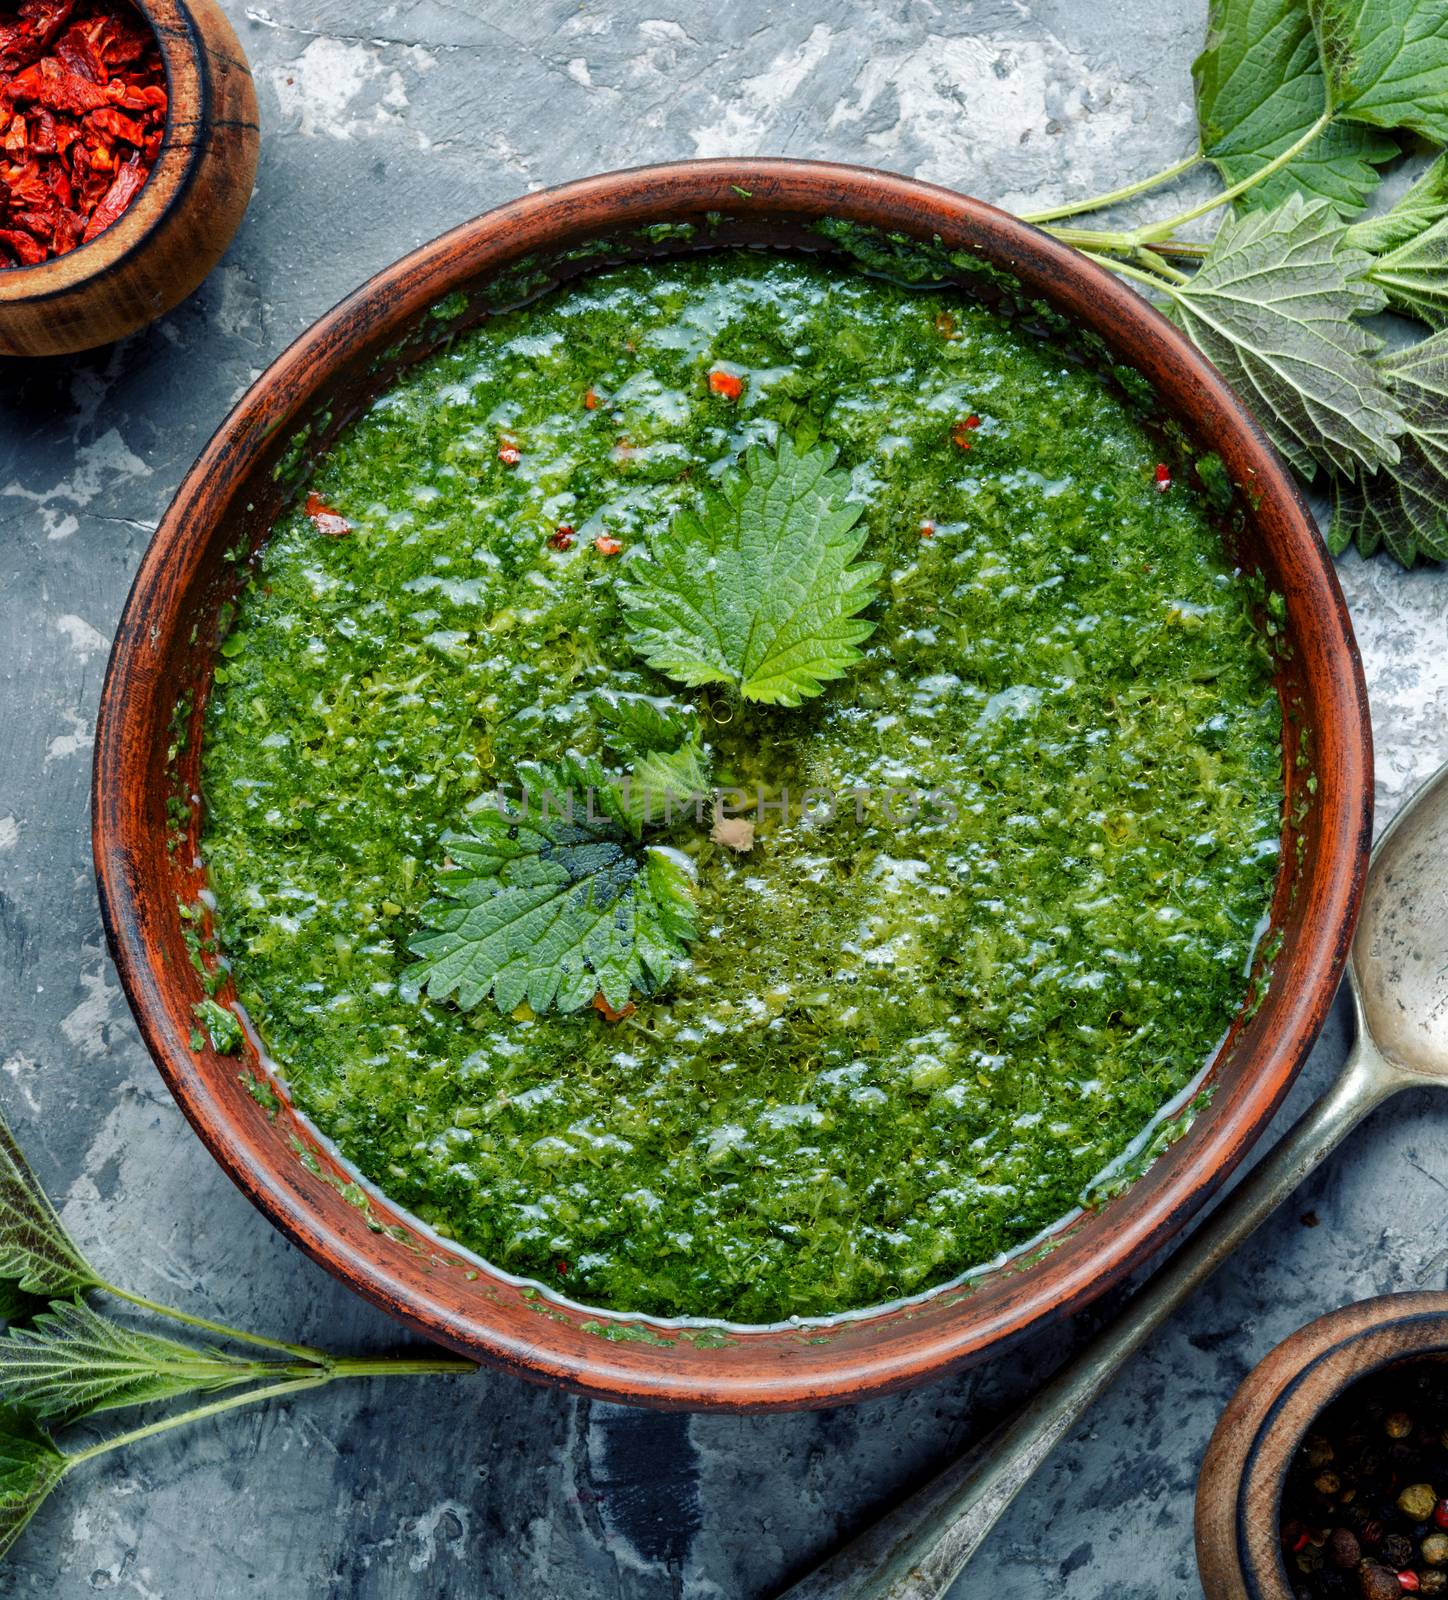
x=934, y=1001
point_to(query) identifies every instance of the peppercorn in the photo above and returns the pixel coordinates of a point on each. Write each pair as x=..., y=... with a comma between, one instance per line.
x=1440, y=1511
x=1434, y=1549
x=1343, y=1549
x=1397, y=1550
x=1417, y=1501
x=1433, y=1581
x=1409, y=1582
x=1316, y=1450
x=1327, y=1483
x=1378, y=1583
x=1398, y=1425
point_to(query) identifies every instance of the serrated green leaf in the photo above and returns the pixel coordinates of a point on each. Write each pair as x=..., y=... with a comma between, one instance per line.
x=1404, y=507
x=1387, y=62
x=756, y=588
x=73, y=1361
x=37, y=1255
x=665, y=782
x=1260, y=87
x=553, y=903
x=1425, y=204
x=1275, y=308
x=638, y=723
x=30, y=1467
x=1415, y=276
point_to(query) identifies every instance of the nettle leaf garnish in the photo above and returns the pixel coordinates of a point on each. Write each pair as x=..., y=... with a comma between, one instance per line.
x=30, y=1467
x=72, y=1361
x=1404, y=507
x=1297, y=102
x=557, y=902
x=37, y=1255
x=1423, y=205
x=1275, y=307
x=1414, y=276
x=758, y=587
x=1387, y=62
x=1260, y=88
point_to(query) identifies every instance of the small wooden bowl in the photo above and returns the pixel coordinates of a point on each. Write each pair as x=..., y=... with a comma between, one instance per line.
x=1239, y=1492
x=174, y=231
x=259, y=461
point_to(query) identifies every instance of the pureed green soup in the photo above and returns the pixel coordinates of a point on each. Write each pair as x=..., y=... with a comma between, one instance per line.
x=919, y=1017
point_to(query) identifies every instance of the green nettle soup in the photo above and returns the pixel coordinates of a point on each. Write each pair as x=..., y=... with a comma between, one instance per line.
x=987, y=737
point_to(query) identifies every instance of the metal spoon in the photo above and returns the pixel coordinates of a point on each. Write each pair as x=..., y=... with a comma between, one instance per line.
x=1398, y=975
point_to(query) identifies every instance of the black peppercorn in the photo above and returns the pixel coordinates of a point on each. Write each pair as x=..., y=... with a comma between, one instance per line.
x=1343, y=1549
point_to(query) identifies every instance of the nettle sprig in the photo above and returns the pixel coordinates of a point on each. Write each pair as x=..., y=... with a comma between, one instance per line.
x=1299, y=103
x=62, y=1360
x=571, y=895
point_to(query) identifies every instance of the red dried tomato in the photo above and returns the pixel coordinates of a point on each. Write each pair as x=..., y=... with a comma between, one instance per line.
x=82, y=117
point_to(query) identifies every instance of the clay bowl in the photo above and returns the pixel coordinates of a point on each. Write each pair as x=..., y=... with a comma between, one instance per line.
x=257, y=462
x=174, y=231
x=1239, y=1492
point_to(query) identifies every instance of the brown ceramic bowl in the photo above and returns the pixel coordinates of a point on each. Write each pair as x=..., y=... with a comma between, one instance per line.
x=255, y=464
x=176, y=228
x=1244, y=1472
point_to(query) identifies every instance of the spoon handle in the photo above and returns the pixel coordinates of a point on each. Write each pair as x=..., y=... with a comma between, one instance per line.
x=917, y=1550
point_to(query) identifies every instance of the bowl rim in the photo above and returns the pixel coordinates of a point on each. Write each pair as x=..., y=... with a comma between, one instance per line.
x=791, y=1372
x=178, y=38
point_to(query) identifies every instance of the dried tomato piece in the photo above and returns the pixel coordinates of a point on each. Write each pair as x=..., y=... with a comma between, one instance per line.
x=120, y=194
x=324, y=519
x=28, y=252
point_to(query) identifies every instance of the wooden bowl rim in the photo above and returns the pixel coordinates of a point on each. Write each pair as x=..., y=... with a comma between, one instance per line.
x=766, y=1368
x=178, y=34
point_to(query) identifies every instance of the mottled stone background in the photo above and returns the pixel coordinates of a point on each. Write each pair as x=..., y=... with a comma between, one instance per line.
x=385, y=124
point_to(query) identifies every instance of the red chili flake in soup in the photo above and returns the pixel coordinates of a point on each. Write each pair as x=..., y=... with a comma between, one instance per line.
x=590, y=400
x=509, y=453
x=82, y=115
x=325, y=520
x=961, y=432
x=607, y=545
x=927, y=530
x=561, y=538
x=1163, y=476
x=726, y=384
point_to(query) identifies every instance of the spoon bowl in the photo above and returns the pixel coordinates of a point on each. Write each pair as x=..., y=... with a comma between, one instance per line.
x=1399, y=965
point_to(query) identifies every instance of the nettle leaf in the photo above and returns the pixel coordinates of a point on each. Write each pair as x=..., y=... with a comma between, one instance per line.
x=30, y=1467
x=1415, y=276
x=554, y=902
x=756, y=588
x=1425, y=204
x=37, y=1255
x=1404, y=507
x=637, y=723
x=664, y=783
x=1275, y=308
x=1387, y=62
x=73, y=1361
x=1260, y=87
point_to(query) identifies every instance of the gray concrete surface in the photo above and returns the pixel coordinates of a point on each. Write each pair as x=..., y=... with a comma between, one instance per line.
x=384, y=124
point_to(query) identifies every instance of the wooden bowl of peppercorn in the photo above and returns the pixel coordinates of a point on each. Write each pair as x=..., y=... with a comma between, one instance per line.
x=128, y=147
x=1327, y=1475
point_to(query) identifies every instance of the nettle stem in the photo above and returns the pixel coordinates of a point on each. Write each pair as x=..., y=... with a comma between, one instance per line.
x=308, y=1378
x=1158, y=235
x=303, y=1352
x=118, y=1441
x=1099, y=202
